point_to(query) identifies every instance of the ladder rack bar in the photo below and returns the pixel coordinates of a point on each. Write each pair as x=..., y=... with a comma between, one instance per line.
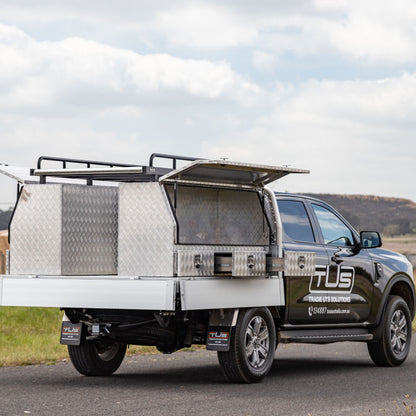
x=174, y=158
x=66, y=160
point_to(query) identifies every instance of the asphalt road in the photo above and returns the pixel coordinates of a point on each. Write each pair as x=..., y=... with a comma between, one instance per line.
x=337, y=379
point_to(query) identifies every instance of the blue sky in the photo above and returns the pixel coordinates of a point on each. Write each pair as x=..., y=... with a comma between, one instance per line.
x=323, y=85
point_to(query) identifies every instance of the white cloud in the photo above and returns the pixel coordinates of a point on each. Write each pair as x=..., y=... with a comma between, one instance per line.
x=205, y=25
x=376, y=31
x=78, y=97
x=264, y=61
x=79, y=72
x=355, y=136
x=371, y=31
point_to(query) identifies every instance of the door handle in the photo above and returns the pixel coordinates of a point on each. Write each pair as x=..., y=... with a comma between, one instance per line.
x=339, y=255
x=337, y=259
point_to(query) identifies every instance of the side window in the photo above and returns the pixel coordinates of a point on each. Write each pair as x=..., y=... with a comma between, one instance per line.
x=334, y=231
x=295, y=221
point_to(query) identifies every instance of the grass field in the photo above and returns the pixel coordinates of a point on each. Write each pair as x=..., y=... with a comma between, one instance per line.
x=405, y=244
x=31, y=335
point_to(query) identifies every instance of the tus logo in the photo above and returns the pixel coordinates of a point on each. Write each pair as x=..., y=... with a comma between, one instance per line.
x=340, y=282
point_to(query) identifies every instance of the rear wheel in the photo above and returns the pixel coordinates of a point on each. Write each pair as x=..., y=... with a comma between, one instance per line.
x=252, y=347
x=393, y=347
x=97, y=358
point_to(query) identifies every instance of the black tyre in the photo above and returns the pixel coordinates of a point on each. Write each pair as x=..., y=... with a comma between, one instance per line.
x=396, y=333
x=252, y=347
x=97, y=358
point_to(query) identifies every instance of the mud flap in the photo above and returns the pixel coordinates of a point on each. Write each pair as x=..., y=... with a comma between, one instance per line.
x=219, y=338
x=220, y=329
x=70, y=333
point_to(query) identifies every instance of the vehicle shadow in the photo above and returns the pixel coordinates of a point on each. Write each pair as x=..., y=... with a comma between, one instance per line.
x=298, y=367
x=185, y=374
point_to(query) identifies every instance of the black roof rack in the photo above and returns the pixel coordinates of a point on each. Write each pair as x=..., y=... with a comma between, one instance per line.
x=88, y=163
x=173, y=157
x=91, y=170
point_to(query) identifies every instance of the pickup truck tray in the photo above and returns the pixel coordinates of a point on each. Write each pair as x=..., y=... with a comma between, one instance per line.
x=111, y=292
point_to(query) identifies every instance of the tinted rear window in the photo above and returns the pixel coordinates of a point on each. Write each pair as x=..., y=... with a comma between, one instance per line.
x=295, y=221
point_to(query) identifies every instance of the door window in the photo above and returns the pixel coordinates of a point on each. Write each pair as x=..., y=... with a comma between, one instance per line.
x=295, y=221
x=334, y=231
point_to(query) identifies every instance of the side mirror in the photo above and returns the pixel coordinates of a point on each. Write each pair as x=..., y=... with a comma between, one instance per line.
x=370, y=239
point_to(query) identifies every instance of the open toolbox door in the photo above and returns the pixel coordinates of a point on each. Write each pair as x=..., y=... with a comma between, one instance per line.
x=235, y=174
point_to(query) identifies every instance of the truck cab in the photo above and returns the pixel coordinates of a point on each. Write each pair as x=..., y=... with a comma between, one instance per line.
x=351, y=270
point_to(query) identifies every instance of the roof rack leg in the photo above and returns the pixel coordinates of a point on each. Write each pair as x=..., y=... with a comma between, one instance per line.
x=174, y=158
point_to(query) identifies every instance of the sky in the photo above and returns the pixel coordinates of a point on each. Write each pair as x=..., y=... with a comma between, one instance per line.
x=323, y=85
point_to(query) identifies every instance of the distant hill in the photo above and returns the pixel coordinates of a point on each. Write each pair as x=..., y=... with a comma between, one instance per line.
x=390, y=216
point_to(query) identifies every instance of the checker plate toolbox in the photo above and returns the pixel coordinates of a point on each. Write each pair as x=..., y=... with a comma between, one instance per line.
x=89, y=231
x=147, y=255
